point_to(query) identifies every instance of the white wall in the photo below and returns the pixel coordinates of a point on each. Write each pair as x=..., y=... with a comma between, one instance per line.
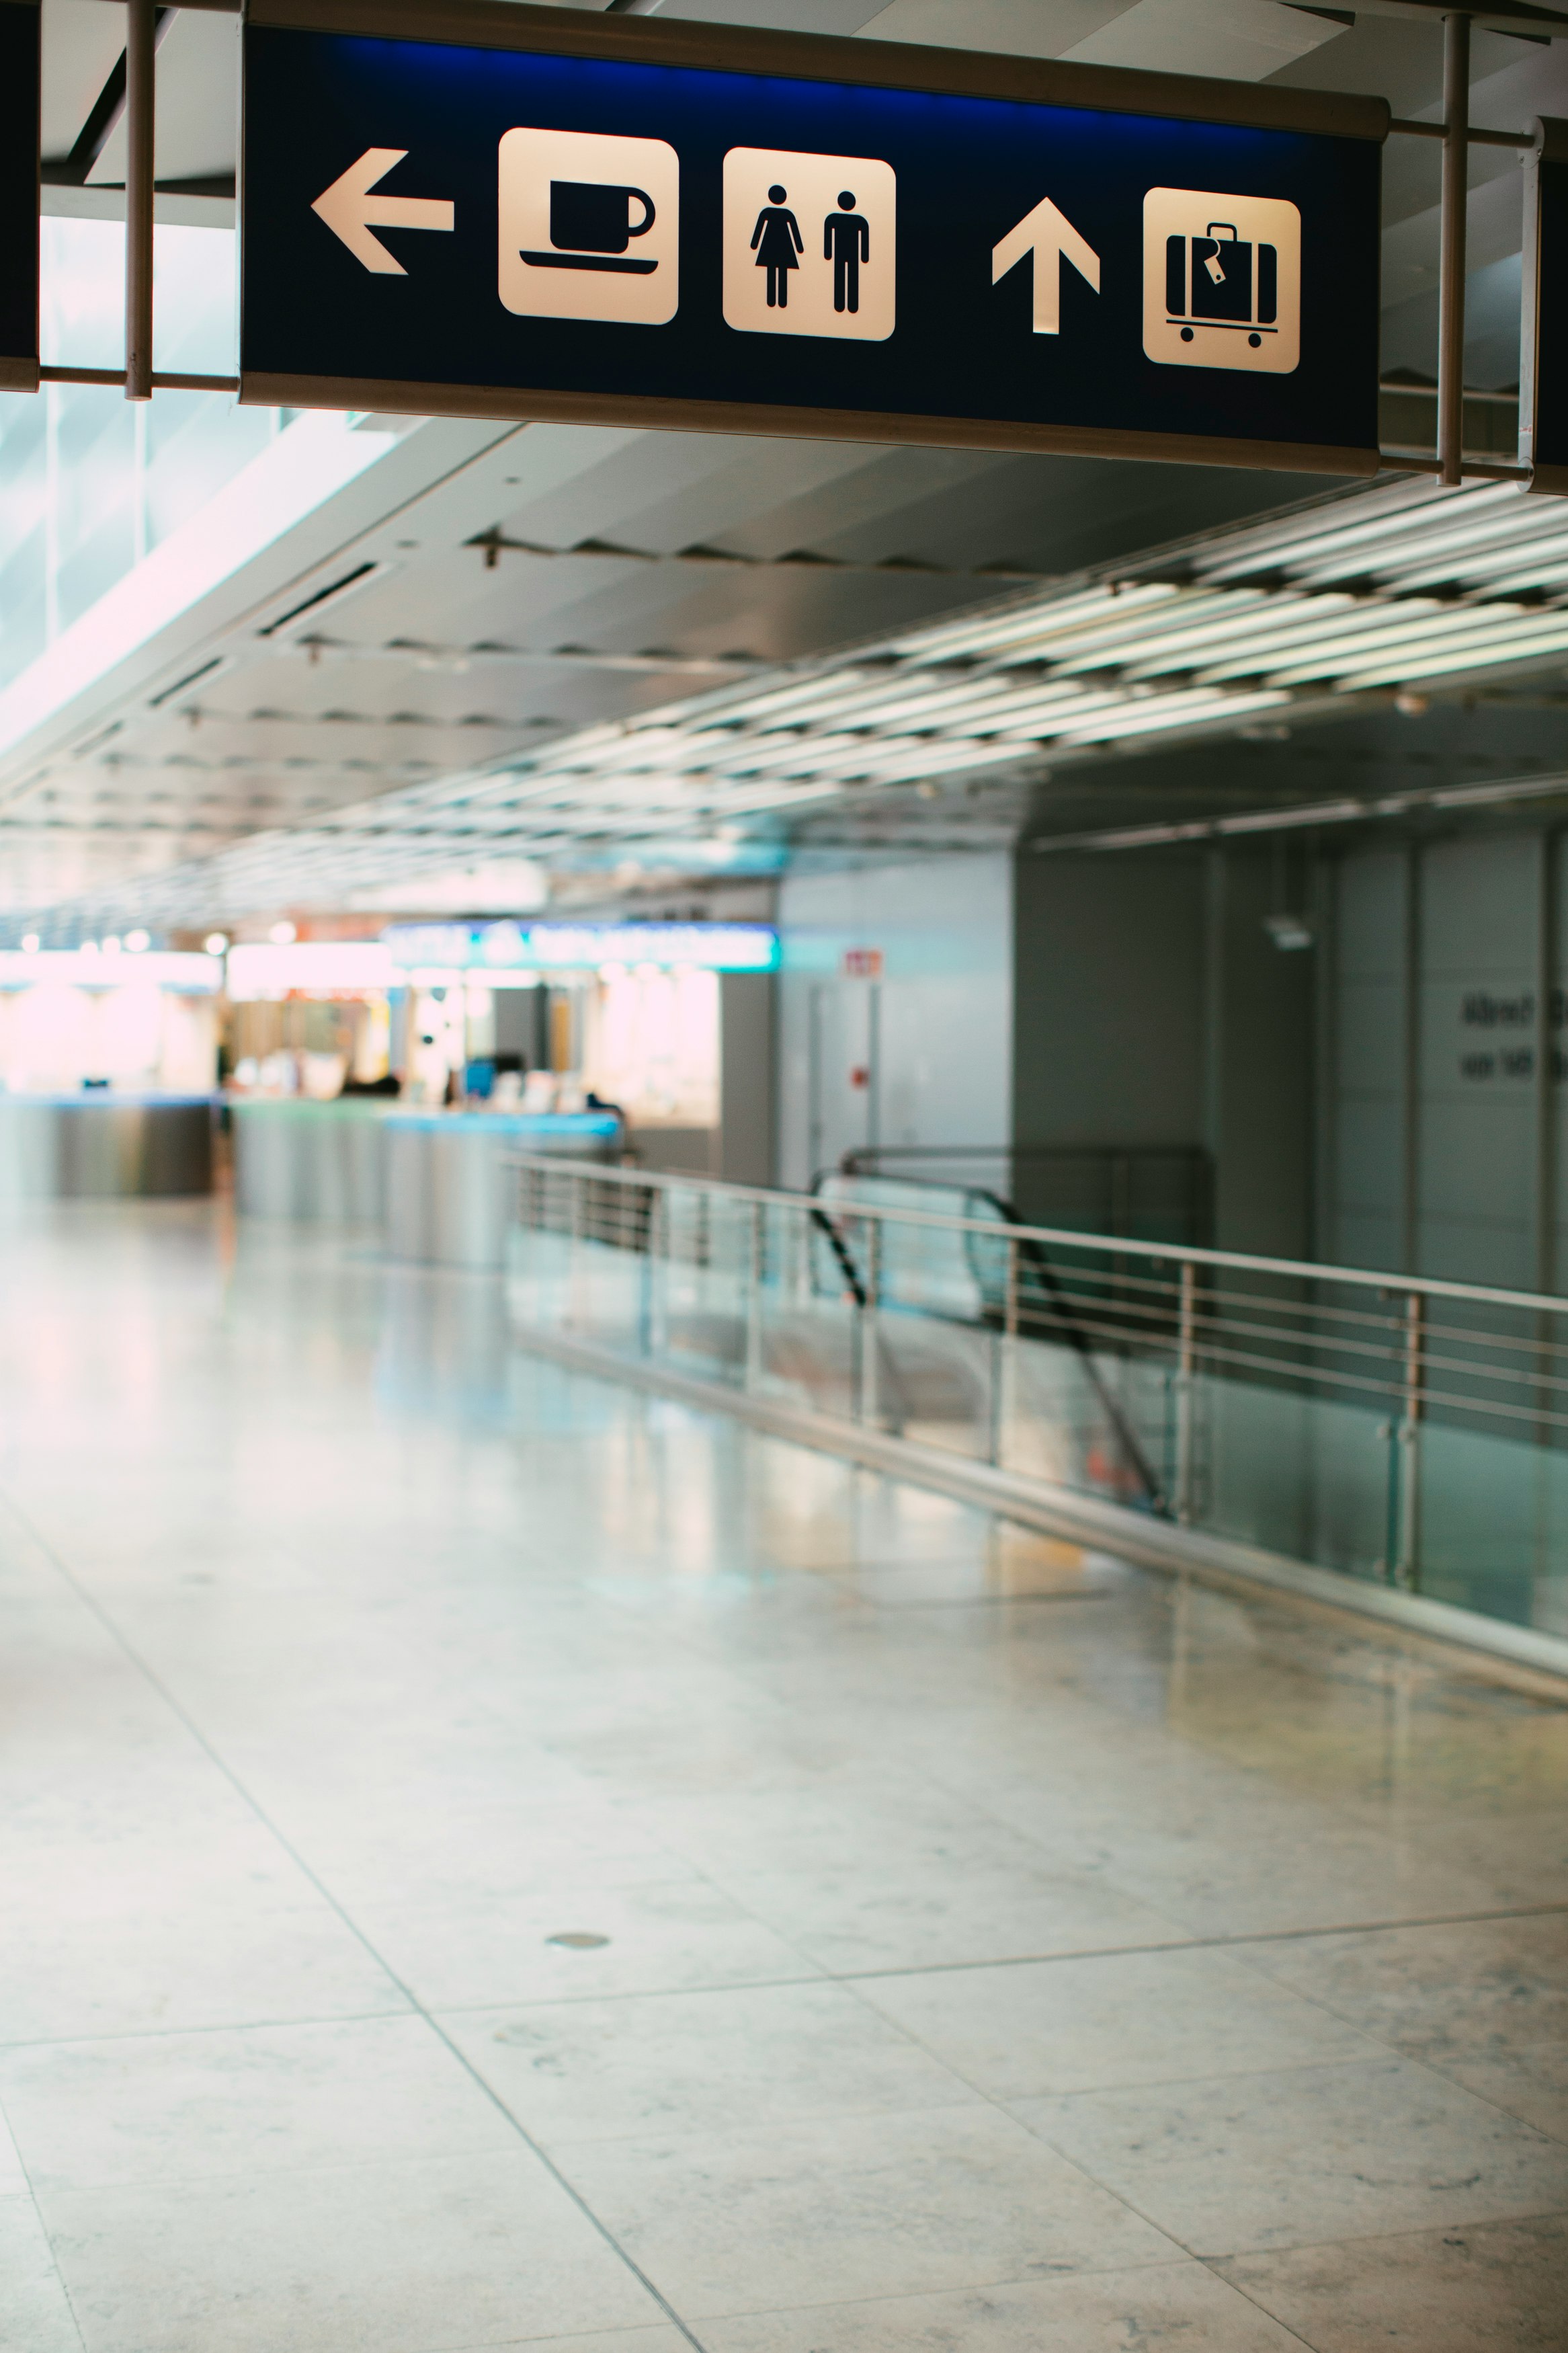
x=936, y=1031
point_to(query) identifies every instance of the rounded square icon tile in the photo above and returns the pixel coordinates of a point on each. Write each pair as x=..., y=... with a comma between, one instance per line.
x=830, y=264
x=589, y=227
x=1222, y=281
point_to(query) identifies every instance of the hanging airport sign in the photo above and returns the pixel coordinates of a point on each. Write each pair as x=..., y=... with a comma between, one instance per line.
x=19, y=196
x=497, y=210
x=1543, y=312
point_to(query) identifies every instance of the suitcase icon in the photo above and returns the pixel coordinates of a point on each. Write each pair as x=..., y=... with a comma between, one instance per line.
x=1218, y=277
x=1221, y=286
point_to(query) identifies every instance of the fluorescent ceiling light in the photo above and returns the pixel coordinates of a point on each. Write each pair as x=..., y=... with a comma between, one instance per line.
x=1511, y=649
x=1177, y=710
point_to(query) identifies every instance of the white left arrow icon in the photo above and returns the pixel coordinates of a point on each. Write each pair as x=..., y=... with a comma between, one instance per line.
x=350, y=211
x=1051, y=238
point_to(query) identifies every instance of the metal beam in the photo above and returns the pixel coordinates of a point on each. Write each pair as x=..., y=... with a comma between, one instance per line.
x=1451, y=285
x=140, y=30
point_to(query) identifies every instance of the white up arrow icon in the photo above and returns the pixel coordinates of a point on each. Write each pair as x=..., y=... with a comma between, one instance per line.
x=1051, y=238
x=350, y=211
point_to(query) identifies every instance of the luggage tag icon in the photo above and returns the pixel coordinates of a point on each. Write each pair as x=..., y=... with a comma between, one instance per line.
x=1222, y=281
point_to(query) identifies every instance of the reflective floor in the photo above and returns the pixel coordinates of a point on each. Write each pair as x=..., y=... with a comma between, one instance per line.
x=490, y=1858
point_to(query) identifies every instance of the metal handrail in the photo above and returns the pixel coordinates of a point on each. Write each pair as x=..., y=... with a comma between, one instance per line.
x=1175, y=1344
x=1068, y=1237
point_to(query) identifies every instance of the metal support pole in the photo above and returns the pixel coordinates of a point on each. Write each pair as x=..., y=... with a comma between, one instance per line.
x=1408, y=1547
x=1007, y=1397
x=870, y=1369
x=574, y=1275
x=658, y=1273
x=1186, y=1372
x=755, y=1252
x=140, y=30
x=1451, y=285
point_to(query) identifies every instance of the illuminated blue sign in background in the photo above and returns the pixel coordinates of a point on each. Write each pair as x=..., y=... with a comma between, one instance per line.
x=563, y=948
x=592, y=229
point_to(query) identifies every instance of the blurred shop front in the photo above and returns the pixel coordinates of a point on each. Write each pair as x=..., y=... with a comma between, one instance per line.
x=391, y=1081
x=670, y=1025
x=108, y=1064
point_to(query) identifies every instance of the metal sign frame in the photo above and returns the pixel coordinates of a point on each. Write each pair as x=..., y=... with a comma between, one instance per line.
x=19, y=172
x=1546, y=163
x=871, y=64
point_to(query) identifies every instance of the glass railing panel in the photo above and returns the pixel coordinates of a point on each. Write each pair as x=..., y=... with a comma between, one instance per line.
x=938, y=1382
x=701, y=1277
x=1098, y=1423
x=805, y=1350
x=1494, y=1525
x=1295, y=1473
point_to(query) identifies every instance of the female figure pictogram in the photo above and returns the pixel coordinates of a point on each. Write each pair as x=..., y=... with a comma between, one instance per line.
x=776, y=240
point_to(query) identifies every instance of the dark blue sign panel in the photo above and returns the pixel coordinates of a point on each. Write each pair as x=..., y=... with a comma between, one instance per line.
x=1543, y=357
x=512, y=230
x=18, y=195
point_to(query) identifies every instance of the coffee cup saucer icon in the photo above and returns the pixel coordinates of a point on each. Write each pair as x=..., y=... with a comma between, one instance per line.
x=588, y=226
x=591, y=228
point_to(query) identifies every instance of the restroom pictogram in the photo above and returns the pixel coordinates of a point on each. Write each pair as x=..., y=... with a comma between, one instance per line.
x=810, y=244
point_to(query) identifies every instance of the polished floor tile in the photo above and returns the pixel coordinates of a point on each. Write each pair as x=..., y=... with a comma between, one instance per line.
x=692, y=2062
x=35, y=2312
x=364, y=2259
x=849, y=2207
x=501, y=1942
x=1119, y=2019
x=944, y=1910
x=1466, y=1989
x=1531, y=2082
x=1459, y=2291
x=1364, y=2148
x=142, y=2110
x=1164, y=2308
x=508, y=1862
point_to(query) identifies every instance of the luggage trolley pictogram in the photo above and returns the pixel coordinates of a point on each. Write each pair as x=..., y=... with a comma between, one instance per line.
x=1222, y=281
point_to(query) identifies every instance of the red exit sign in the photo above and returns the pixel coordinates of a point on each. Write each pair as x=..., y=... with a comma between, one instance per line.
x=861, y=963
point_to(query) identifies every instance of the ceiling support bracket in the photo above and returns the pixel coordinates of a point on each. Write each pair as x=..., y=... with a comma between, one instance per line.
x=1451, y=283
x=141, y=33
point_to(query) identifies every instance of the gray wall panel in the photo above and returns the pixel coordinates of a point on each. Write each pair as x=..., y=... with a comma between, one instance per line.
x=1365, y=1158
x=1371, y=914
x=1476, y=1160
x=1461, y=1136
x=1371, y=1055
x=1109, y=981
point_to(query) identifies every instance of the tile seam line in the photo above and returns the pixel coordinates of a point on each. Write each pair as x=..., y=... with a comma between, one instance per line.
x=154, y=1682
x=1319, y=1999
x=31, y=2196
x=824, y=1976
x=1211, y=2263
x=1306, y=2246
x=215, y=2026
x=1552, y=2213
x=1239, y=2255
x=1179, y=2261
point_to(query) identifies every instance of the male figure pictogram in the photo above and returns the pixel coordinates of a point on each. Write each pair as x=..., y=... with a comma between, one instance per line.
x=847, y=243
x=775, y=241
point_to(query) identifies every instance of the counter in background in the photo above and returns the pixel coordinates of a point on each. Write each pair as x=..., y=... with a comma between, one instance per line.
x=448, y=1191
x=313, y=1162
x=104, y=1146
